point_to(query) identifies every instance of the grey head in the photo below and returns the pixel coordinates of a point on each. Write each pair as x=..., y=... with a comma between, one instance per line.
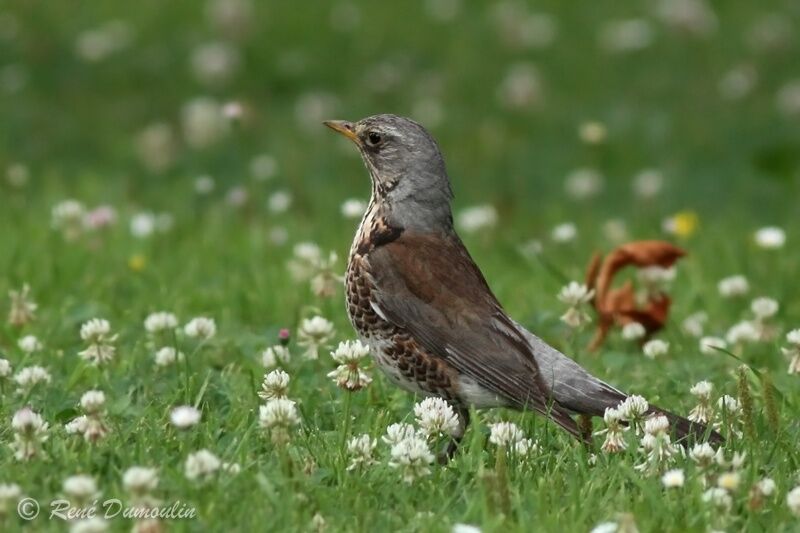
x=409, y=179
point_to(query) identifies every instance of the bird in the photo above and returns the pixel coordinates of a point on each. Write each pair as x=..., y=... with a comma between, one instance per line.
x=417, y=299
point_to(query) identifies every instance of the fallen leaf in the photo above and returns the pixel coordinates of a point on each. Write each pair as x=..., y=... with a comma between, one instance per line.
x=618, y=306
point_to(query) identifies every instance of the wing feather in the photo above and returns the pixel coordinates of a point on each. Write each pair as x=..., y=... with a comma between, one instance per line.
x=430, y=286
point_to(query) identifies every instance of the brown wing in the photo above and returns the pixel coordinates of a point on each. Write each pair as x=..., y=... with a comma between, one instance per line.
x=429, y=286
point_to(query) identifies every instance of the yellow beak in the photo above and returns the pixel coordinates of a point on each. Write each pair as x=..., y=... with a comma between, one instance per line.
x=347, y=129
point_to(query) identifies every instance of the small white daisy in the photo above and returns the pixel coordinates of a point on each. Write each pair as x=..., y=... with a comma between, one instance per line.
x=203, y=328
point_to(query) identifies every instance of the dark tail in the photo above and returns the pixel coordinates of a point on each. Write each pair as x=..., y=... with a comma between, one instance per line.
x=686, y=431
x=596, y=396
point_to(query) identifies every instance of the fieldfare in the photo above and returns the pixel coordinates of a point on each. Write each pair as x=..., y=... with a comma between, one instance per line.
x=421, y=304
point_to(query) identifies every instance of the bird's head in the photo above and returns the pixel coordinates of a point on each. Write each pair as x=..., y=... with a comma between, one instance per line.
x=406, y=167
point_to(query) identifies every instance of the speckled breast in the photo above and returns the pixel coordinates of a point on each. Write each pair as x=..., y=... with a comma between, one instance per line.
x=396, y=353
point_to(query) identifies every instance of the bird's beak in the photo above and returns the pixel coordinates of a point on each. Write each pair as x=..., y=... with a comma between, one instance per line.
x=347, y=129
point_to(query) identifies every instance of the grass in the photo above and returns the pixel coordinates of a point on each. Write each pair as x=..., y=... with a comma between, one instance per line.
x=75, y=125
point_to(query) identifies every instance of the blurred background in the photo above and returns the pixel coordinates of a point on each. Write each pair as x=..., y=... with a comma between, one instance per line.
x=609, y=120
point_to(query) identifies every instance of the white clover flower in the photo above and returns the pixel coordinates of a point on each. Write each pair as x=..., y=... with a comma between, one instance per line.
x=271, y=356
x=702, y=454
x=92, y=401
x=80, y=487
x=326, y=279
x=656, y=425
x=5, y=368
x=657, y=444
x=583, y=183
x=477, y=218
x=703, y=411
x=98, y=353
x=360, y=449
x=140, y=479
x=505, y=434
x=648, y=183
x=718, y=497
x=793, y=501
x=764, y=308
x=202, y=122
x=278, y=416
x=398, y=432
x=23, y=308
x=525, y=447
x=278, y=412
x=97, y=334
x=349, y=375
x=353, y=208
x=633, y=331
x=305, y=258
x=436, y=417
x=728, y=481
x=566, y=232
x=201, y=465
x=30, y=376
x=658, y=450
x=9, y=493
x=67, y=216
x=413, y=457
x=95, y=330
x=167, y=355
x=29, y=344
x=614, y=441
x=204, y=184
x=765, y=486
x=160, y=321
x=156, y=146
x=465, y=528
x=708, y=345
x=695, y=323
x=733, y=286
x=792, y=352
x=673, y=478
x=201, y=328
x=605, y=527
x=520, y=87
x=729, y=404
x=314, y=333
x=275, y=385
x=142, y=225
x=263, y=167
x=728, y=414
x=27, y=421
x=279, y=201
x=655, y=348
x=744, y=331
x=184, y=416
x=231, y=468
x=76, y=425
x=770, y=238
x=30, y=430
x=735, y=463
x=633, y=409
x=575, y=295
x=702, y=389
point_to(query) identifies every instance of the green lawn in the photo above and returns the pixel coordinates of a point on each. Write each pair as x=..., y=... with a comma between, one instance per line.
x=198, y=126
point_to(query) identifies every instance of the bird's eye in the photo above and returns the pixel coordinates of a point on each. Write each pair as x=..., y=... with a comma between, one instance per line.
x=374, y=138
